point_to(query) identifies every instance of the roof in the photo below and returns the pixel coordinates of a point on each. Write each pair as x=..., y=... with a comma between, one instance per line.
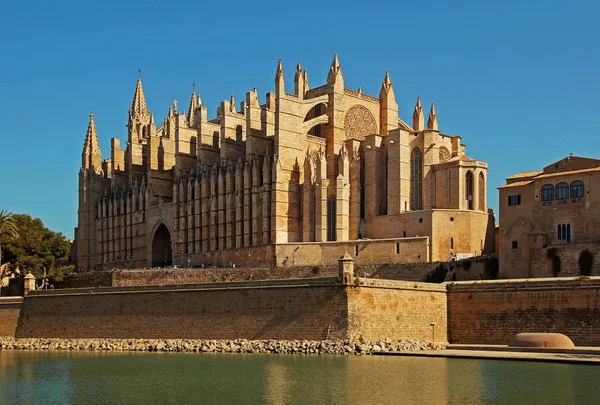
x=593, y=169
x=517, y=184
x=525, y=174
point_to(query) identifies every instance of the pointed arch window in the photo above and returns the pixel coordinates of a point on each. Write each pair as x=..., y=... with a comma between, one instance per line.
x=331, y=214
x=481, y=186
x=469, y=189
x=416, y=180
x=577, y=189
x=562, y=191
x=548, y=192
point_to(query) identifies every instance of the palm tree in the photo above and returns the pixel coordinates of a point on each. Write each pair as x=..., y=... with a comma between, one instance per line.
x=8, y=227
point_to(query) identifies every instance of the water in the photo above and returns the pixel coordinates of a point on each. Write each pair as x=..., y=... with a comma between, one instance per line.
x=178, y=378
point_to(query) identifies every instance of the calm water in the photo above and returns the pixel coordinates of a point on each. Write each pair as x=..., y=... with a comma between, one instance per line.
x=165, y=378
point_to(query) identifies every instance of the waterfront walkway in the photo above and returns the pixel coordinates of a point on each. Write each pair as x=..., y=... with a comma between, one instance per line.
x=579, y=355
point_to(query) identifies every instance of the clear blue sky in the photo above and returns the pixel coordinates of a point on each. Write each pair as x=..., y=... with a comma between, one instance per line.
x=518, y=80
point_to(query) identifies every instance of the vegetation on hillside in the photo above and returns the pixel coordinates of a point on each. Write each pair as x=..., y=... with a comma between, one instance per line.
x=26, y=244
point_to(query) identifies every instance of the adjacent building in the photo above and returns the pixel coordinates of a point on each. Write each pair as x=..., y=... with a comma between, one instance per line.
x=299, y=179
x=550, y=220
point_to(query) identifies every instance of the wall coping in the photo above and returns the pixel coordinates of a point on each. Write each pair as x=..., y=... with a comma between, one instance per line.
x=401, y=285
x=241, y=285
x=11, y=300
x=524, y=284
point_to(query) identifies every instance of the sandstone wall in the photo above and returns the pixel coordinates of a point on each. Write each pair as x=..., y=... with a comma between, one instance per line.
x=127, y=278
x=9, y=314
x=312, y=309
x=491, y=312
x=397, y=309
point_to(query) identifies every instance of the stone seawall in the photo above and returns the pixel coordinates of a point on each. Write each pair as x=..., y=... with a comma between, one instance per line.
x=492, y=312
x=313, y=309
x=10, y=308
x=284, y=309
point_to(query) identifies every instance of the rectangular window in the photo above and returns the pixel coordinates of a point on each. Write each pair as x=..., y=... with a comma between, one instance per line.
x=515, y=244
x=514, y=199
x=355, y=250
x=397, y=248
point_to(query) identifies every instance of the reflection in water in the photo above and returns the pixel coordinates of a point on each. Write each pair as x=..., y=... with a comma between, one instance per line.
x=163, y=378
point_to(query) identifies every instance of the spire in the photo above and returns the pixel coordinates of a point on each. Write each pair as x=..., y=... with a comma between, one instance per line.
x=299, y=82
x=91, y=156
x=138, y=106
x=432, y=122
x=387, y=90
x=193, y=106
x=232, y=103
x=279, y=81
x=335, y=71
x=306, y=86
x=418, y=118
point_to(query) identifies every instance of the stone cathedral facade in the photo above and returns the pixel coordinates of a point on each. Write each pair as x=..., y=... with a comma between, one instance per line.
x=298, y=180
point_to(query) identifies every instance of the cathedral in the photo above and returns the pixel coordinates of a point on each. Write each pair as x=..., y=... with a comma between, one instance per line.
x=299, y=180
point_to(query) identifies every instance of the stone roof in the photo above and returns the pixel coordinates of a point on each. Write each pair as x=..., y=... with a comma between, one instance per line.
x=525, y=174
x=517, y=184
x=593, y=169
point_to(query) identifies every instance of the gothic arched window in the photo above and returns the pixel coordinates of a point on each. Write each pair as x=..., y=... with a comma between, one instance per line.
x=331, y=214
x=469, y=189
x=416, y=180
x=481, y=186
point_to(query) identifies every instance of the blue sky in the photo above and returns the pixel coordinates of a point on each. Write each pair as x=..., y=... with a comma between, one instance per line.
x=518, y=80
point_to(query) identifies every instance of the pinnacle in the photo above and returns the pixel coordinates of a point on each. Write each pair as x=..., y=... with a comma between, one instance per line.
x=279, y=67
x=138, y=105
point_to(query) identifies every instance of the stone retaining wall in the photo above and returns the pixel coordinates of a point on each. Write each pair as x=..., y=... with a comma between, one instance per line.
x=9, y=314
x=492, y=312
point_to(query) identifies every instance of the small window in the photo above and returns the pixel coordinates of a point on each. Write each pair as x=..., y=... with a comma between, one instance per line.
x=562, y=191
x=564, y=232
x=404, y=234
x=355, y=250
x=515, y=244
x=451, y=243
x=397, y=248
x=577, y=189
x=514, y=199
x=548, y=192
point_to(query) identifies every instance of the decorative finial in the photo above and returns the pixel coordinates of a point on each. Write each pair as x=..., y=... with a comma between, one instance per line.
x=175, y=105
x=194, y=87
x=91, y=115
x=139, y=73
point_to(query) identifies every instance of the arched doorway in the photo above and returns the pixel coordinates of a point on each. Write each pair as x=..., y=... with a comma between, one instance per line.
x=161, y=247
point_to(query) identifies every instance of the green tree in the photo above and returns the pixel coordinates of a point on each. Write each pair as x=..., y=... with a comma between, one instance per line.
x=37, y=248
x=8, y=228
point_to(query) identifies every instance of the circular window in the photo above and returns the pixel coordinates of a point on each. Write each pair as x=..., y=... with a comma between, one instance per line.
x=451, y=219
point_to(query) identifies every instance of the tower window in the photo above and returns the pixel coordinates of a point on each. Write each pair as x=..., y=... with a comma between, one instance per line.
x=469, y=190
x=515, y=244
x=416, y=180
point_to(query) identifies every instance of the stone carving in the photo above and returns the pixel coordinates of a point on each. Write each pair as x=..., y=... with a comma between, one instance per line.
x=444, y=154
x=359, y=122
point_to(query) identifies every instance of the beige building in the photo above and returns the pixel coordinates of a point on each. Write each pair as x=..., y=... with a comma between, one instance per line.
x=550, y=218
x=300, y=179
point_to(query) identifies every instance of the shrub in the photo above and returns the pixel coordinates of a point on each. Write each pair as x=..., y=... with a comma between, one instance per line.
x=437, y=275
